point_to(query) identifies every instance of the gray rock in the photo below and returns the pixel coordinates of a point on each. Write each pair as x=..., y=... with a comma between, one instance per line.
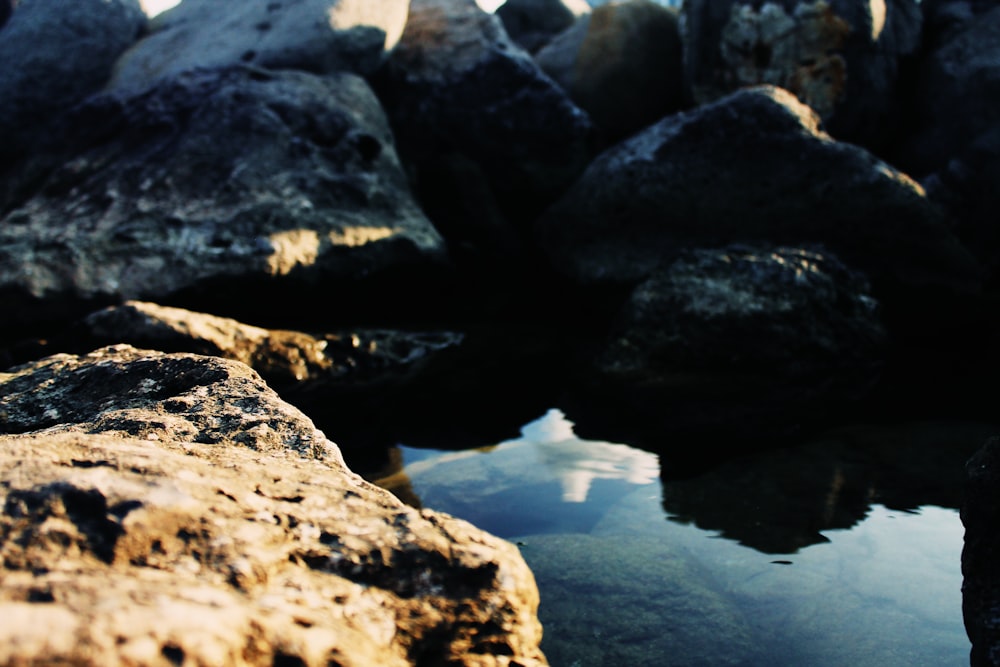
x=54, y=55
x=532, y=23
x=621, y=64
x=752, y=166
x=171, y=508
x=459, y=91
x=318, y=36
x=231, y=184
x=6, y=7
x=981, y=583
x=841, y=57
x=292, y=360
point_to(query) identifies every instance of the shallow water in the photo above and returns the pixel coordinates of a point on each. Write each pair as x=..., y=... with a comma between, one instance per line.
x=842, y=551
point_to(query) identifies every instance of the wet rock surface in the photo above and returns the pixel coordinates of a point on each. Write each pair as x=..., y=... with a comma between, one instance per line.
x=187, y=513
x=223, y=183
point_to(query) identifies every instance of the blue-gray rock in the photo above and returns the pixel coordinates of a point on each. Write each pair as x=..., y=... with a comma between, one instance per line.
x=532, y=23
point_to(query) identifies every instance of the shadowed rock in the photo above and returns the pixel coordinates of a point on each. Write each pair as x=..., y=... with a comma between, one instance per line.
x=981, y=584
x=532, y=23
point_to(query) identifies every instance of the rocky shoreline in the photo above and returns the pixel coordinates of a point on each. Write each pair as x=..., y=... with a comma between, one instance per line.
x=723, y=219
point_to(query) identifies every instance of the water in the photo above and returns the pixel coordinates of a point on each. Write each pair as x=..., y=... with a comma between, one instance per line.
x=843, y=551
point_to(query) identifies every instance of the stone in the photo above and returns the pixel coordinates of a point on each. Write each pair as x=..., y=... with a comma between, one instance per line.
x=981, y=585
x=245, y=189
x=53, y=57
x=621, y=64
x=318, y=36
x=752, y=166
x=841, y=57
x=532, y=23
x=287, y=360
x=464, y=99
x=171, y=508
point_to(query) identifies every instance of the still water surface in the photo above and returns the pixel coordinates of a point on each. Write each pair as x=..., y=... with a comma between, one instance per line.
x=827, y=554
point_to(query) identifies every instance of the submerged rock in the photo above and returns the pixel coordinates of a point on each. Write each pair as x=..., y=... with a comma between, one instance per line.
x=172, y=507
x=239, y=186
x=621, y=64
x=54, y=54
x=318, y=36
x=753, y=166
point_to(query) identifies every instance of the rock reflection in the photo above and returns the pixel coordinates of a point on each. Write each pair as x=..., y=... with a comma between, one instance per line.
x=779, y=502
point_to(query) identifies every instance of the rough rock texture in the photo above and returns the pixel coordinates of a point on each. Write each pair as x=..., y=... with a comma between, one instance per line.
x=621, y=64
x=532, y=23
x=54, y=55
x=981, y=585
x=318, y=36
x=285, y=359
x=842, y=58
x=751, y=166
x=220, y=182
x=162, y=509
x=6, y=7
x=474, y=114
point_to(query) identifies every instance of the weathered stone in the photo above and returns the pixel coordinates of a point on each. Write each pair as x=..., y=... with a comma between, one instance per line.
x=621, y=64
x=532, y=23
x=841, y=57
x=753, y=166
x=53, y=56
x=171, y=508
x=981, y=585
x=285, y=359
x=231, y=184
x=458, y=90
x=317, y=36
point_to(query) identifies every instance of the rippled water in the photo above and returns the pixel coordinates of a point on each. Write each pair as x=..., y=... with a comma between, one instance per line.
x=843, y=551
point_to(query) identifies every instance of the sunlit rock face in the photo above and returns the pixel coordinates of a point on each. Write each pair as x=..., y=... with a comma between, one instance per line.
x=621, y=64
x=842, y=57
x=239, y=178
x=487, y=135
x=54, y=55
x=981, y=585
x=171, y=507
x=313, y=35
x=752, y=166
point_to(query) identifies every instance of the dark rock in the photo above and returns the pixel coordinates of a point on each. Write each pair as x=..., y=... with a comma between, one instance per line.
x=463, y=98
x=621, y=64
x=753, y=166
x=532, y=23
x=237, y=187
x=753, y=336
x=175, y=508
x=842, y=58
x=317, y=36
x=981, y=585
x=287, y=360
x=53, y=56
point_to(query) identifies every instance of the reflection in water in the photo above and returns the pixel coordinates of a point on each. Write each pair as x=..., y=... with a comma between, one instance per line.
x=865, y=516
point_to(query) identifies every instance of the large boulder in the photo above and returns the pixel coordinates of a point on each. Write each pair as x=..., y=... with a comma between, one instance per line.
x=53, y=56
x=479, y=124
x=981, y=583
x=532, y=23
x=164, y=508
x=752, y=166
x=621, y=64
x=317, y=36
x=237, y=186
x=840, y=57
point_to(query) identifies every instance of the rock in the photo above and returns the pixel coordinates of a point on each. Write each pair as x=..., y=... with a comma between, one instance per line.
x=752, y=166
x=53, y=56
x=981, y=584
x=318, y=36
x=171, y=508
x=532, y=23
x=621, y=64
x=842, y=57
x=751, y=338
x=241, y=188
x=291, y=360
x=463, y=98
